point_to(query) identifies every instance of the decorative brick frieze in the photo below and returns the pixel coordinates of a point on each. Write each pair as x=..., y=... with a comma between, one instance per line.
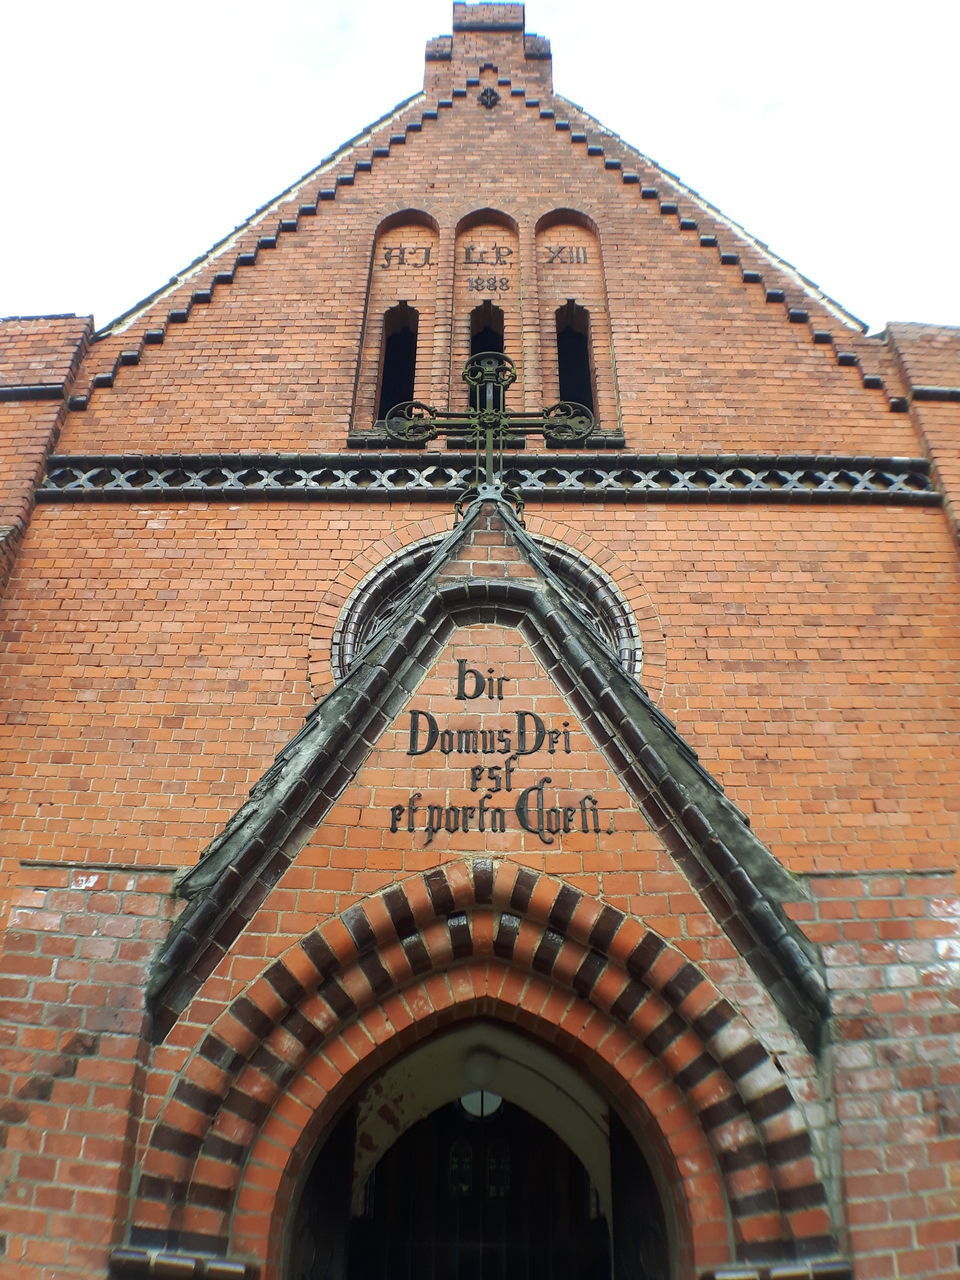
x=657, y=478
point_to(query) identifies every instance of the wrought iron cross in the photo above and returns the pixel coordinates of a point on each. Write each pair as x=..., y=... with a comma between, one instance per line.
x=489, y=425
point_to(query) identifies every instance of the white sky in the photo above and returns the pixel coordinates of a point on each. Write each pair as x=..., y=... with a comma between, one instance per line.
x=136, y=135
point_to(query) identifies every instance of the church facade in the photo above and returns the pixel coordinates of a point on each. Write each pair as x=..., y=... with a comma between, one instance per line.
x=480, y=689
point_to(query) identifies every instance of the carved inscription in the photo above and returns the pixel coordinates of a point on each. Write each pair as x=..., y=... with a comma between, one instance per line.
x=488, y=284
x=405, y=255
x=565, y=253
x=496, y=255
x=499, y=761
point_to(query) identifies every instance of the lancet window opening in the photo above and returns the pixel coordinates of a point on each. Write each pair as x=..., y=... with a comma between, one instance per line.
x=574, y=359
x=486, y=334
x=398, y=361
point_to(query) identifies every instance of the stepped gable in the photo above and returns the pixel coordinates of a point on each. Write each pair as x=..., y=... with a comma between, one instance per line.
x=597, y=161
x=740, y=880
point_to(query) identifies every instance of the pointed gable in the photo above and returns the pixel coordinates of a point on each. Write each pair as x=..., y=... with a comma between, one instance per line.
x=488, y=573
x=702, y=340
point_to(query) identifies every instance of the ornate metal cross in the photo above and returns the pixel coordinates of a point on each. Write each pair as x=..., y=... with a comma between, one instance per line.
x=489, y=425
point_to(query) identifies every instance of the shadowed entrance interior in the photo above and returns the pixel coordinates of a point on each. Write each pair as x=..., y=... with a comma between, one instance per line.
x=479, y=1187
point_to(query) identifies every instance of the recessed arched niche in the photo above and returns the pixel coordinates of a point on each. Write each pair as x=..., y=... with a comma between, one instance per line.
x=397, y=353
x=486, y=292
x=575, y=338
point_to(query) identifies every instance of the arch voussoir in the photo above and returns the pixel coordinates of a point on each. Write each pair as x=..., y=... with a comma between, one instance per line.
x=460, y=941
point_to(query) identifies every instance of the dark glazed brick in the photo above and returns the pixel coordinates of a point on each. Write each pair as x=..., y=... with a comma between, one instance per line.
x=506, y=936
x=460, y=939
x=808, y=1197
x=590, y=970
x=786, y=1150
x=249, y=1016
x=563, y=908
x=770, y=1104
x=721, y=1112
x=483, y=880
x=379, y=978
x=273, y=1067
x=218, y=1148
x=523, y=889
x=643, y=955
x=714, y=1020
x=417, y=955
x=439, y=891
x=604, y=931
x=744, y=1060
x=319, y=952
x=202, y=1100
x=303, y=1029
x=211, y=1197
x=337, y=999
x=698, y=1070
x=629, y=1000
x=254, y=1110
x=359, y=929
x=758, y=1202
x=166, y=1138
x=664, y=1034
x=167, y=1189
x=742, y=1158
x=220, y=1054
x=400, y=913
x=547, y=951
x=284, y=983
x=681, y=984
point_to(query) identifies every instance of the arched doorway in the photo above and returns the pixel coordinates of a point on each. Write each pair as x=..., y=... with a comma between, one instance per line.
x=479, y=1156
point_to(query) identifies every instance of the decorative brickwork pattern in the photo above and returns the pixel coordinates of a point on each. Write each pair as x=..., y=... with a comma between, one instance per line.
x=488, y=570
x=760, y=980
x=462, y=941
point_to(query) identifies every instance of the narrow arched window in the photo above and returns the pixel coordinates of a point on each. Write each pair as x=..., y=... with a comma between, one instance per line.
x=486, y=334
x=399, y=360
x=573, y=354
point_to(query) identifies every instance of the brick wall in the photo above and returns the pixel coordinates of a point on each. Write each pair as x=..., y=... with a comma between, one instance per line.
x=76, y=951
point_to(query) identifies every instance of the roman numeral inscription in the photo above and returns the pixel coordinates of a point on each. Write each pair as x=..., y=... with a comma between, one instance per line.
x=565, y=253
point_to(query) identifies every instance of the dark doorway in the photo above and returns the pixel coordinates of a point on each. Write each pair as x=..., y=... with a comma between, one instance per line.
x=482, y=1191
x=463, y=1197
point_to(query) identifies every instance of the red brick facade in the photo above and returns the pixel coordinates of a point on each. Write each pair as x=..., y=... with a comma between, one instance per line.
x=208, y=536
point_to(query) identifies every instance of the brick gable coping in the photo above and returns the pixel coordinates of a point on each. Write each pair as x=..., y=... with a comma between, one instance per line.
x=737, y=877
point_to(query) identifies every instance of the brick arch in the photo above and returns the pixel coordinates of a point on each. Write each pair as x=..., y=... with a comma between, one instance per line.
x=628, y=582
x=471, y=990
x=391, y=967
